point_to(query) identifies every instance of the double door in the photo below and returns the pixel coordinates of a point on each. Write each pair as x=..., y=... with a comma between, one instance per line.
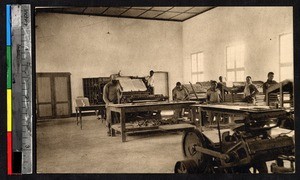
x=53, y=92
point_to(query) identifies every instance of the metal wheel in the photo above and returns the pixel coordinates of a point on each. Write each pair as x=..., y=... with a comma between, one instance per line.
x=190, y=139
x=188, y=166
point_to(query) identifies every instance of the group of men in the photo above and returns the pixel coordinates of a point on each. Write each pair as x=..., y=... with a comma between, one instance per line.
x=180, y=93
x=213, y=94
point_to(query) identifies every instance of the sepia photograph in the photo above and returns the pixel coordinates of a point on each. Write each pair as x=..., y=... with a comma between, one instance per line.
x=159, y=89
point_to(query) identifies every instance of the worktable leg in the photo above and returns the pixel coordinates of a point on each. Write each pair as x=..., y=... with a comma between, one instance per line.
x=210, y=117
x=218, y=118
x=97, y=113
x=114, y=118
x=193, y=116
x=200, y=123
x=77, y=117
x=113, y=132
x=80, y=118
x=122, y=121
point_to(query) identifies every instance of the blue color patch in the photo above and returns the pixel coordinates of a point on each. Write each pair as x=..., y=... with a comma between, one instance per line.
x=8, y=26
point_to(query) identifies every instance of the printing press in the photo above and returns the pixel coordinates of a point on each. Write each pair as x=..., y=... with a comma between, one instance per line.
x=134, y=90
x=238, y=138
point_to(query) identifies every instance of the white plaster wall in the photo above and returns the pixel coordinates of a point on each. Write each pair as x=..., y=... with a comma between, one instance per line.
x=256, y=27
x=80, y=45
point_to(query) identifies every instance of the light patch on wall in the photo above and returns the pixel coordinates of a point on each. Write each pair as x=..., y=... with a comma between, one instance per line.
x=235, y=62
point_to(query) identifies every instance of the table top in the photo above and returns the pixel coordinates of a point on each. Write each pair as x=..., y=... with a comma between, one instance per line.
x=238, y=107
x=159, y=103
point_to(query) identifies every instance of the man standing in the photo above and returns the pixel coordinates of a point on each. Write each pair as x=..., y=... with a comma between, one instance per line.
x=250, y=90
x=179, y=93
x=110, y=96
x=269, y=82
x=213, y=95
x=221, y=85
x=150, y=82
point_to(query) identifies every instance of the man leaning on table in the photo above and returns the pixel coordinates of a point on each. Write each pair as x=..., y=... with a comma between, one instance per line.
x=110, y=96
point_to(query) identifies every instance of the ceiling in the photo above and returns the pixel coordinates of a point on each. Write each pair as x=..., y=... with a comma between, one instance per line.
x=155, y=13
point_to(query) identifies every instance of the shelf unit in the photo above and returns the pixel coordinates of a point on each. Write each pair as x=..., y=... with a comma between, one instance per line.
x=93, y=89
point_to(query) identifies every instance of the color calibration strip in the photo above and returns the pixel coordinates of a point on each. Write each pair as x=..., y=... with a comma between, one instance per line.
x=26, y=84
x=9, y=90
x=19, y=89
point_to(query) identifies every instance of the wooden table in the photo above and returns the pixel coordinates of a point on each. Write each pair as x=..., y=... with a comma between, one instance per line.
x=87, y=108
x=141, y=107
x=245, y=110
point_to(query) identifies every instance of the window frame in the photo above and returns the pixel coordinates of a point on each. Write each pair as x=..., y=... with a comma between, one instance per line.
x=235, y=69
x=285, y=64
x=197, y=72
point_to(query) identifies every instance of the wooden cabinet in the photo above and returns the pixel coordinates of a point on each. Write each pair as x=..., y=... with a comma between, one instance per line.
x=53, y=95
x=93, y=89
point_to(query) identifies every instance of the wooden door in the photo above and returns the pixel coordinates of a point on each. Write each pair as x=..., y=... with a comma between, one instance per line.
x=53, y=95
x=44, y=97
x=62, y=95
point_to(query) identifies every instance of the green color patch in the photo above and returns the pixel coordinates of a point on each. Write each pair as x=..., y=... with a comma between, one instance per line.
x=9, y=66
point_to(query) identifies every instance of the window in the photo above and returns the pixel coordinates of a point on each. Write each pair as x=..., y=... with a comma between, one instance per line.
x=285, y=57
x=197, y=67
x=235, y=59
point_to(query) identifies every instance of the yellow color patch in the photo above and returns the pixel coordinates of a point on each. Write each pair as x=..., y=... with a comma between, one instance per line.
x=9, y=110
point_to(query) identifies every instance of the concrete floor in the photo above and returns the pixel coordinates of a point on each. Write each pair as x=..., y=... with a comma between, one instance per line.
x=63, y=148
